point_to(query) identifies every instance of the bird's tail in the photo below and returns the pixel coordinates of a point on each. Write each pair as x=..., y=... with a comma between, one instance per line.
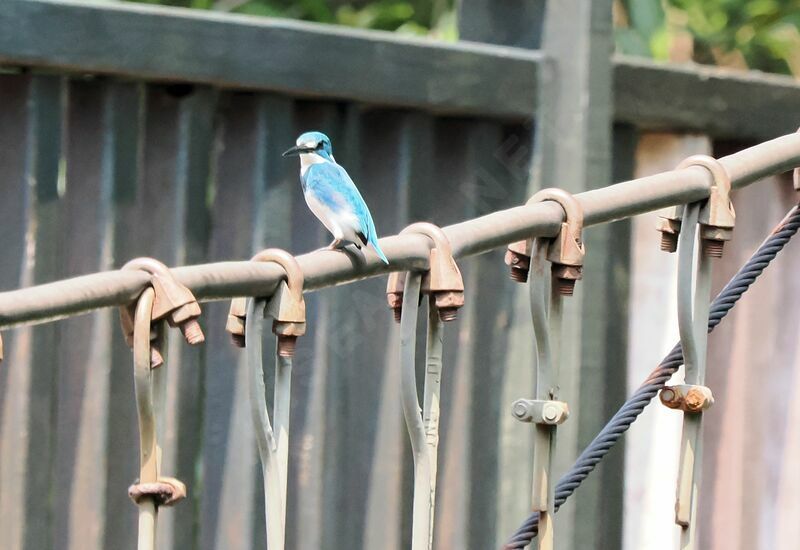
x=376, y=247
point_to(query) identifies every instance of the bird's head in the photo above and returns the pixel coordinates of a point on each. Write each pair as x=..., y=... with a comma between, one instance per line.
x=312, y=143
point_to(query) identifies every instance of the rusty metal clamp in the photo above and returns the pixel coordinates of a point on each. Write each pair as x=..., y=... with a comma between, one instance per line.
x=565, y=251
x=442, y=282
x=173, y=302
x=151, y=490
x=717, y=216
x=694, y=289
x=286, y=306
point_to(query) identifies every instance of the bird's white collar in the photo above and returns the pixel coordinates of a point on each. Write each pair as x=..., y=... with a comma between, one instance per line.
x=307, y=159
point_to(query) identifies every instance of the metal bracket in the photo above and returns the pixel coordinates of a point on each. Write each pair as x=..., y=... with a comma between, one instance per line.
x=443, y=280
x=717, y=216
x=173, y=302
x=286, y=306
x=164, y=492
x=688, y=398
x=538, y=411
x=566, y=251
x=151, y=490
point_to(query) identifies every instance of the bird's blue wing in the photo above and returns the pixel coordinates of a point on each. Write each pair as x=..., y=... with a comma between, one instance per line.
x=330, y=184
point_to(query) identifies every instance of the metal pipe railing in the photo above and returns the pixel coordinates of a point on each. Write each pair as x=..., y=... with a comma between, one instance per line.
x=322, y=268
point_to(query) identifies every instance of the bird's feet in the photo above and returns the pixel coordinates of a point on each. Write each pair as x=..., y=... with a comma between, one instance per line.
x=337, y=244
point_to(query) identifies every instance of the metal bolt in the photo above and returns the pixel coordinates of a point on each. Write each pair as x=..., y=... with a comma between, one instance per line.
x=156, y=359
x=519, y=265
x=519, y=409
x=238, y=340
x=550, y=413
x=192, y=332
x=669, y=242
x=565, y=277
x=448, y=302
x=396, y=304
x=713, y=248
x=286, y=345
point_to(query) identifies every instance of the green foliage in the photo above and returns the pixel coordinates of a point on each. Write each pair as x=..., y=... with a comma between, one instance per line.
x=758, y=34
x=419, y=17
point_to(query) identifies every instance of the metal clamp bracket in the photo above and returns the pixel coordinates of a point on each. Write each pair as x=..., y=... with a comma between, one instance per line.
x=538, y=411
x=151, y=489
x=566, y=251
x=286, y=306
x=443, y=280
x=717, y=215
x=688, y=398
x=173, y=302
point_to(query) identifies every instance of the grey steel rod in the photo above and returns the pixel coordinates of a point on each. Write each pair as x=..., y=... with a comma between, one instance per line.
x=265, y=437
x=421, y=514
x=431, y=401
x=322, y=268
x=694, y=295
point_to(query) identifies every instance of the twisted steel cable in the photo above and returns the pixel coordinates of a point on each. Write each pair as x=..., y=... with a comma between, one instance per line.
x=635, y=404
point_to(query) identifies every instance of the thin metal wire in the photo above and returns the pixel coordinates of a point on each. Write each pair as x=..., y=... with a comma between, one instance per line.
x=633, y=407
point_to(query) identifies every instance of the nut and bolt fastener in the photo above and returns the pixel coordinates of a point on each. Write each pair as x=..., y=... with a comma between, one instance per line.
x=396, y=304
x=519, y=266
x=192, y=332
x=669, y=242
x=550, y=413
x=448, y=302
x=286, y=345
x=238, y=340
x=565, y=278
x=519, y=409
x=713, y=239
x=185, y=317
x=156, y=359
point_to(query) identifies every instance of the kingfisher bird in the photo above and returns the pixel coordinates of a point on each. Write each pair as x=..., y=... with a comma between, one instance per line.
x=332, y=196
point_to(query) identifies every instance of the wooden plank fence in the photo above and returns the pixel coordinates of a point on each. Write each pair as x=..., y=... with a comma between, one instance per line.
x=160, y=135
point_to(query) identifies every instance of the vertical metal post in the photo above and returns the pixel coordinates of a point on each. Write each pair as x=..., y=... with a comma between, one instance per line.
x=422, y=514
x=693, y=302
x=148, y=448
x=546, y=329
x=281, y=408
x=430, y=411
x=265, y=438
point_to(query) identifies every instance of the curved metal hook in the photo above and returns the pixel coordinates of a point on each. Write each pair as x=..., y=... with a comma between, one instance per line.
x=294, y=273
x=286, y=306
x=565, y=251
x=443, y=281
x=173, y=301
x=151, y=490
x=717, y=214
x=572, y=208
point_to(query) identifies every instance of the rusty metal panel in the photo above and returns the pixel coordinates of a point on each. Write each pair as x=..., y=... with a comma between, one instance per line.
x=27, y=430
x=84, y=353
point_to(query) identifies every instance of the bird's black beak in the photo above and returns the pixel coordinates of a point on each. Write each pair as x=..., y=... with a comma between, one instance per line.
x=296, y=150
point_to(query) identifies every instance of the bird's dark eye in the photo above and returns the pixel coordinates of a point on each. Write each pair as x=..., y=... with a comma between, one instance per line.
x=320, y=145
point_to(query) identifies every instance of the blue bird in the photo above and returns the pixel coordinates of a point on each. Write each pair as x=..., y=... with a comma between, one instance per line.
x=332, y=196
